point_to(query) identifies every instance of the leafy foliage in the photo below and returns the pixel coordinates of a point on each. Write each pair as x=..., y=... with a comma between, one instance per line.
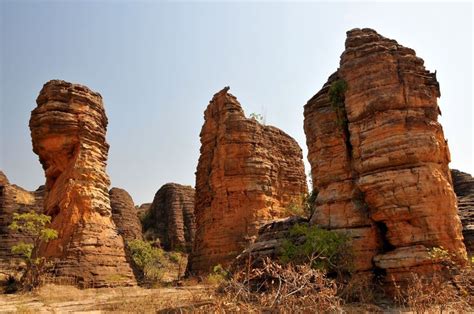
x=337, y=91
x=257, y=117
x=153, y=262
x=218, y=275
x=34, y=227
x=325, y=250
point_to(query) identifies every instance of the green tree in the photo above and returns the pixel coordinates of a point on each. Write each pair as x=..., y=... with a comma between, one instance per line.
x=34, y=227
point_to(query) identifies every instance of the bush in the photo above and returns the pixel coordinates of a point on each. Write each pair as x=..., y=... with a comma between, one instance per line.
x=336, y=97
x=154, y=263
x=218, y=275
x=325, y=250
x=33, y=227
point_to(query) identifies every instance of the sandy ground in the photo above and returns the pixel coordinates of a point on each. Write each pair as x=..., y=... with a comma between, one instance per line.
x=68, y=299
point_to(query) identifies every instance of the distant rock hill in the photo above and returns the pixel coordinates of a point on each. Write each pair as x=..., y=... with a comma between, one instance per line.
x=170, y=218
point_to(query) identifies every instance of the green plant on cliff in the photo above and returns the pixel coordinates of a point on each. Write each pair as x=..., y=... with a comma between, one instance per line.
x=337, y=92
x=34, y=228
x=326, y=250
x=257, y=117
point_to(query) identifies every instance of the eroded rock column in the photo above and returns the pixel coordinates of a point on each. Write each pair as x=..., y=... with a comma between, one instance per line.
x=247, y=175
x=170, y=217
x=68, y=129
x=125, y=215
x=389, y=151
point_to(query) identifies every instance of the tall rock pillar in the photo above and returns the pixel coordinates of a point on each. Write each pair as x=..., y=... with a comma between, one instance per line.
x=68, y=129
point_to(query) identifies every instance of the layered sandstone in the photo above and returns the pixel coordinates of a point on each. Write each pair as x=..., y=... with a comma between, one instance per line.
x=380, y=161
x=463, y=184
x=170, y=218
x=14, y=199
x=247, y=175
x=125, y=215
x=68, y=129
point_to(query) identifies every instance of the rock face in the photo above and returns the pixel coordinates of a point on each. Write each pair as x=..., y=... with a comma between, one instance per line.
x=170, y=217
x=464, y=188
x=68, y=129
x=14, y=199
x=379, y=158
x=247, y=175
x=125, y=215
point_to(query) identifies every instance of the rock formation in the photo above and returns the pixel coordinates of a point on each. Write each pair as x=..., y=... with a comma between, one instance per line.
x=170, y=217
x=379, y=158
x=142, y=209
x=14, y=199
x=68, y=129
x=463, y=184
x=125, y=215
x=247, y=175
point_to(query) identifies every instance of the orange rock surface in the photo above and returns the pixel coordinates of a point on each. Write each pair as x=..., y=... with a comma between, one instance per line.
x=247, y=174
x=125, y=215
x=382, y=175
x=68, y=129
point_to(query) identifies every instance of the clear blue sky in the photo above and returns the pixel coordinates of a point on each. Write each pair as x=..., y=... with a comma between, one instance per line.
x=158, y=64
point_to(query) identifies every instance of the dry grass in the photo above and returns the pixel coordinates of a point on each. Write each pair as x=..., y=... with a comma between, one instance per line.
x=436, y=294
x=273, y=287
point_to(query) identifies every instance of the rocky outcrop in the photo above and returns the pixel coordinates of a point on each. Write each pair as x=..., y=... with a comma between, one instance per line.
x=68, y=129
x=14, y=199
x=379, y=158
x=248, y=174
x=170, y=218
x=463, y=184
x=124, y=215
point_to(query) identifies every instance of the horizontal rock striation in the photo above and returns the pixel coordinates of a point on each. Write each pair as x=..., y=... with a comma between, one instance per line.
x=170, y=218
x=14, y=199
x=248, y=174
x=463, y=184
x=68, y=129
x=125, y=215
x=379, y=158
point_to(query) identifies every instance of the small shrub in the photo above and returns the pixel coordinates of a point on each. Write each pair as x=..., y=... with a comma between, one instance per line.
x=257, y=117
x=34, y=227
x=337, y=91
x=218, y=275
x=325, y=250
x=12, y=285
x=148, y=259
